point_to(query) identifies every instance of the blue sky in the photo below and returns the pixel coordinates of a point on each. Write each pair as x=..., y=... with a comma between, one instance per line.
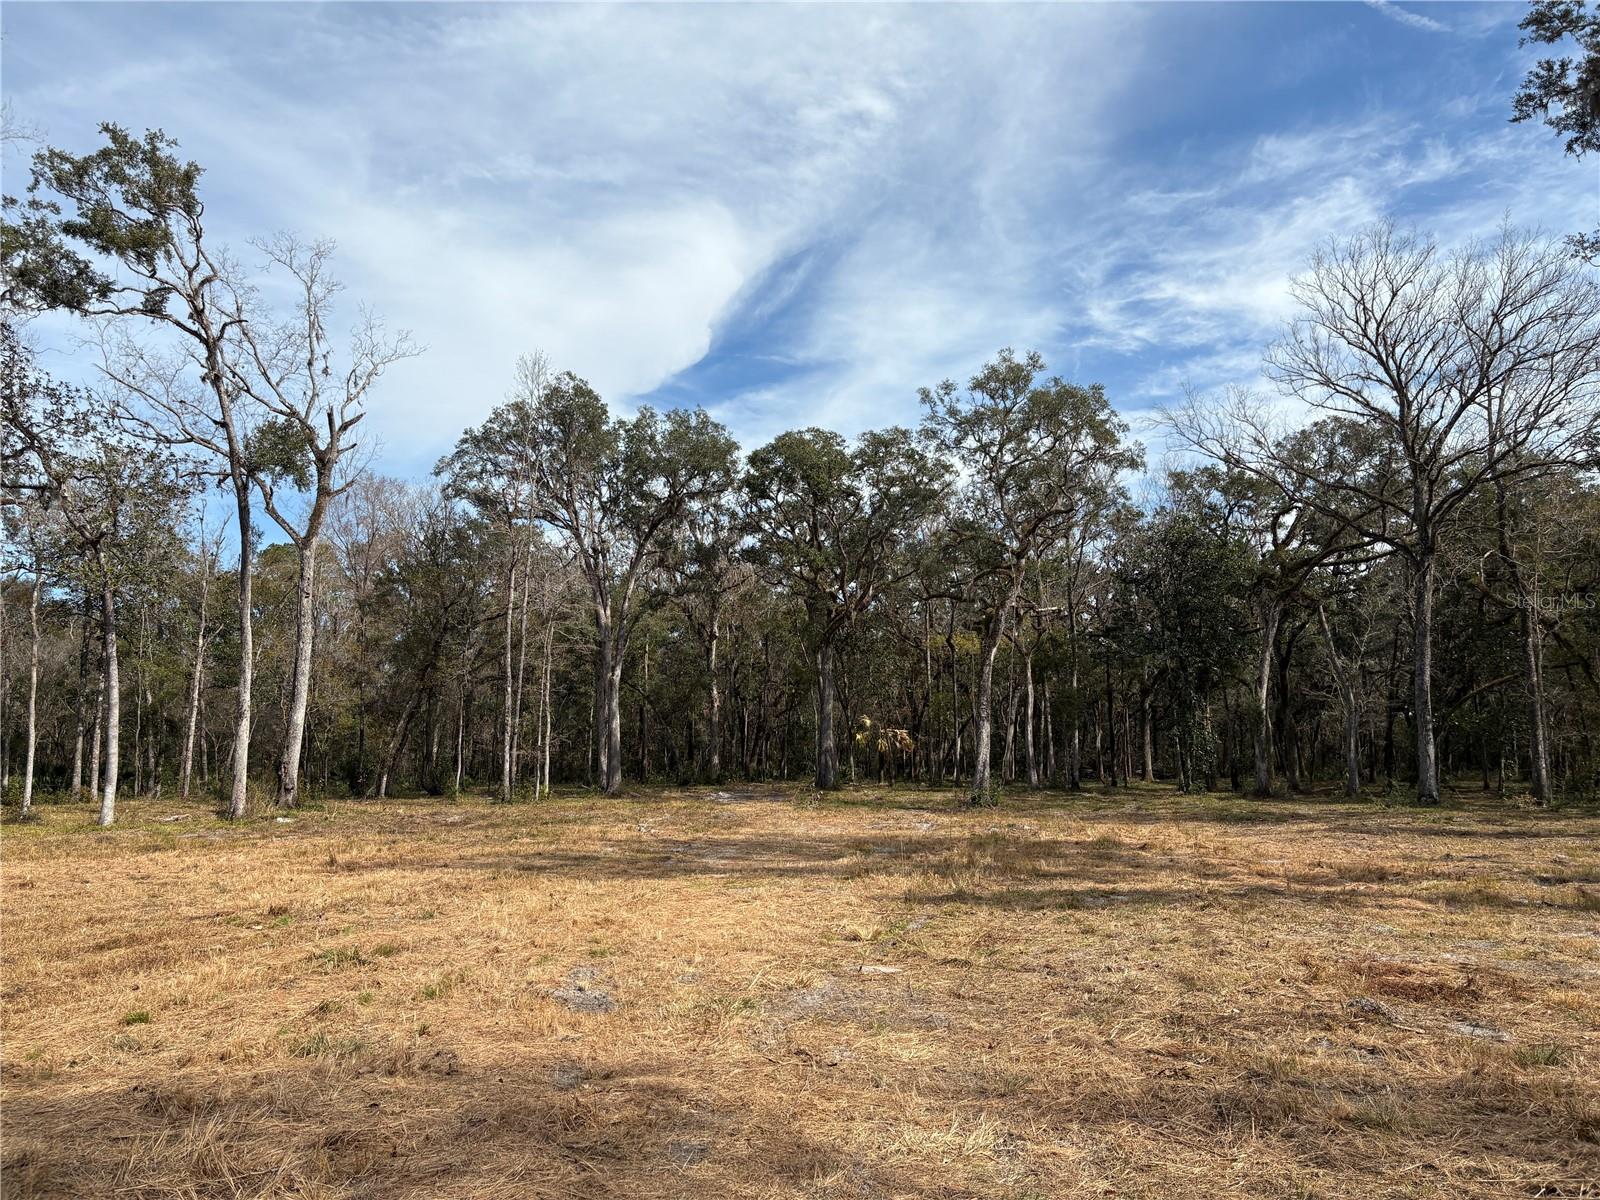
x=799, y=215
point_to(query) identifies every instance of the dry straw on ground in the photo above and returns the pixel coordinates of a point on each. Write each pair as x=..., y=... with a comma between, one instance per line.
x=864, y=996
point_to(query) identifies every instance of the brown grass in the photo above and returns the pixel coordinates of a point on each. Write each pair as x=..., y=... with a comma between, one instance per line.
x=860, y=996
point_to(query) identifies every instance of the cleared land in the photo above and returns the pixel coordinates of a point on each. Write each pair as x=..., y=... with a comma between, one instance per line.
x=754, y=993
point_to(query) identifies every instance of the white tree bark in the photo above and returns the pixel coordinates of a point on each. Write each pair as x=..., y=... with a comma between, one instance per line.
x=300, y=685
x=196, y=678
x=113, y=734
x=33, y=691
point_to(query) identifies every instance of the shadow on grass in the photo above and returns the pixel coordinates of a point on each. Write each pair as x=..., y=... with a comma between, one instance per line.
x=440, y=1122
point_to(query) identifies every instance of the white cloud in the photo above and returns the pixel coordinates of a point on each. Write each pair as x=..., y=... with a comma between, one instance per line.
x=1406, y=17
x=603, y=183
x=616, y=185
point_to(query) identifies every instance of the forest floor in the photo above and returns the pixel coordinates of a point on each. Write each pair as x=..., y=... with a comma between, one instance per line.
x=755, y=992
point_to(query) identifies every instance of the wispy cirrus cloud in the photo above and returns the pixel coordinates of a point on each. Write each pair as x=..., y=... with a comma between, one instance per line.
x=799, y=215
x=1408, y=17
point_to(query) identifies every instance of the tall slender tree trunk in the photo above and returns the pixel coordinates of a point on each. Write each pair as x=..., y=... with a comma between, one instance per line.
x=1271, y=612
x=113, y=736
x=238, y=796
x=1147, y=770
x=602, y=685
x=461, y=741
x=33, y=691
x=983, y=708
x=549, y=652
x=1538, y=728
x=713, y=702
x=1028, y=747
x=1344, y=683
x=508, y=715
x=195, y=683
x=141, y=657
x=613, y=783
x=522, y=664
x=1532, y=653
x=541, y=780
x=1288, y=728
x=1075, y=755
x=827, y=752
x=1008, y=758
x=391, y=757
x=1422, y=684
x=1111, y=723
x=300, y=686
x=97, y=736
x=80, y=722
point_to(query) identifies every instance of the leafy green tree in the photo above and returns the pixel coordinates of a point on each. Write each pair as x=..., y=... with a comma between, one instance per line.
x=1190, y=573
x=831, y=523
x=613, y=488
x=705, y=571
x=1038, y=458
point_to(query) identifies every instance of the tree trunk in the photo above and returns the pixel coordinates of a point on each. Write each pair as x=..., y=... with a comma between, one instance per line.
x=507, y=707
x=827, y=752
x=1111, y=723
x=982, y=786
x=1270, y=614
x=602, y=684
x=541, y=716
x=544, y=739
x=113, y=732
x=613, y=777
x=300, y=685
x=33, y=692
x=1147, y=694
x=1344, y=683
x=713, y=705
x=1075, y=755
x=392, y=756
x=1539, y=732
x=522, y=665
x=461, y=740
x=80, y=723
x=195, y=684
x=1028, y=747
x=1008, y=759
x=238, y=796
x=97, y=737
x=1532, y=654
x=1422, y=684
x=1288, y=728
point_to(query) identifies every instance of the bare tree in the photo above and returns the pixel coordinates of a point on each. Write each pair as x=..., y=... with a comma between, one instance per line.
x=305, y=444
x=1434, y=374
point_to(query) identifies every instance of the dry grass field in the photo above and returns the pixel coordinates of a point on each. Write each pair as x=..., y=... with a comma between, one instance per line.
x=758, y=993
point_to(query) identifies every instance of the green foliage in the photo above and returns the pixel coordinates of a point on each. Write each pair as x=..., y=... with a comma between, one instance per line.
x=1564, y=92
x=126, y=201
x=834, y=521
x=280, y=450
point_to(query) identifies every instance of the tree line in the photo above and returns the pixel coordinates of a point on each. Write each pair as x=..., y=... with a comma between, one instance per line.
x=1382, y=574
